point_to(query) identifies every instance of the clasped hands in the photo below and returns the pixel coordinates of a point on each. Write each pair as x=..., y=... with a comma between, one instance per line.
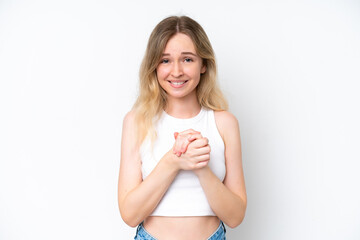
x=191, y=149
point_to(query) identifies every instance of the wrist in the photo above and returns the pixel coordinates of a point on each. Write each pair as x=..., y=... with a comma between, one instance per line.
x=201, y=172
x=170, y=161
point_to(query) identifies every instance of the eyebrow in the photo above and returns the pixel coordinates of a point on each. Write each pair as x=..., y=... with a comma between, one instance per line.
x=183, y=53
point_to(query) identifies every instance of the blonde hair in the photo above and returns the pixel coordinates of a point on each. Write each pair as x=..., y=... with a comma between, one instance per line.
x=152, y=98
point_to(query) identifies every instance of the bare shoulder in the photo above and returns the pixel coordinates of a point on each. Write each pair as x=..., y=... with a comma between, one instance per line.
x=225, y=116
x=226, y=122
x=129, y=123
x=129, y=130
x=129, y=118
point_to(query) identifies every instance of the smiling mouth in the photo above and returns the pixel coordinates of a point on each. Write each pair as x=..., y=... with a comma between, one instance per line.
x=177, y=83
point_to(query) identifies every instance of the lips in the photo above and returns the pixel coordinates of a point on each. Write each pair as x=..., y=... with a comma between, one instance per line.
x=177, y=84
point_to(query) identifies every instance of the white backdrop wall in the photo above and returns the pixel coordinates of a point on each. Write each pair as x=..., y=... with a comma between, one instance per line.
x=68, y=75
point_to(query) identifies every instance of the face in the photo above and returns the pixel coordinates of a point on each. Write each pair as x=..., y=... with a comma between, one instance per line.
x=180, y=67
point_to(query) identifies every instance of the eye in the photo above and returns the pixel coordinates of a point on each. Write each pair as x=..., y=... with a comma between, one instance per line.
x=164, y=61
x=188, y=60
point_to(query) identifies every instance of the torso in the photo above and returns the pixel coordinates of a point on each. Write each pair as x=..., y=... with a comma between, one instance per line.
x=183, y=227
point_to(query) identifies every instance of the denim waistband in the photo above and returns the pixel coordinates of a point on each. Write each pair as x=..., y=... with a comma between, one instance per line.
x=142, y=234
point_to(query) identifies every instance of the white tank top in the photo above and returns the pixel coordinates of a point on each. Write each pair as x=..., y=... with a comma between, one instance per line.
x=185, y=196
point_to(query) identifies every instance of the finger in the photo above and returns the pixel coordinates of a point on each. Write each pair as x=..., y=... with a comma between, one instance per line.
x=194, y=137
x=177, y=146
x=189, y=131
x=180, y=144
x=184, y=146
x=201, y=164
x=201, y=142
x=176, y=134
x=201, y=151
x=204, y=157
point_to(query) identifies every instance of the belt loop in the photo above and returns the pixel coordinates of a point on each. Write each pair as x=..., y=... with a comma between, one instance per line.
x=138, y=228
x=223, y=226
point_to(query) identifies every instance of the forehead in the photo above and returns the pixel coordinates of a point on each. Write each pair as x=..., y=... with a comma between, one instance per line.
x=179, y=43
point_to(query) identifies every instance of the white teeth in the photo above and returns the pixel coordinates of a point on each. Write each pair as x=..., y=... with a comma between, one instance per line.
x=178, y=83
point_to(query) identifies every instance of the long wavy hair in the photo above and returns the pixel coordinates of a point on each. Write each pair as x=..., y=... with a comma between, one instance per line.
x=151, y=100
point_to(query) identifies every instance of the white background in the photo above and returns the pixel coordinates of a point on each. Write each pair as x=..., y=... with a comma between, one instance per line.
x=69, y=74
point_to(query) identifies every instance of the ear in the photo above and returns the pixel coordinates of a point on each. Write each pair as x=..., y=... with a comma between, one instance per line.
x=203, y=69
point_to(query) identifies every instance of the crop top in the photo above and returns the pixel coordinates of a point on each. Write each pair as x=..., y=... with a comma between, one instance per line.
x=185, y=196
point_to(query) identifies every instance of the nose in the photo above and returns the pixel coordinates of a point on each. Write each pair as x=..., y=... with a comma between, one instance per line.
x=177, y=70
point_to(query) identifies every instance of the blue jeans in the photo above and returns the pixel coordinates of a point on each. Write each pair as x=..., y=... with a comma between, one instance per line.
x=142, y=234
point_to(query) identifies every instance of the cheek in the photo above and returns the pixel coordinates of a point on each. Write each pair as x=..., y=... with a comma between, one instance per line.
x=162, y=72
x=194, y=72
x=161, y=76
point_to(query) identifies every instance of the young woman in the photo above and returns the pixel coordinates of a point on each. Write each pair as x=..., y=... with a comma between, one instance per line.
x=181, y=171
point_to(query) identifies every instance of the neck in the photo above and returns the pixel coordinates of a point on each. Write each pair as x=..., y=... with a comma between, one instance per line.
x=183, y=107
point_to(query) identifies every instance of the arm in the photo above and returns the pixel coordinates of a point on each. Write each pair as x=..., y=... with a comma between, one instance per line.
x=137, y=198
x=228, y=199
